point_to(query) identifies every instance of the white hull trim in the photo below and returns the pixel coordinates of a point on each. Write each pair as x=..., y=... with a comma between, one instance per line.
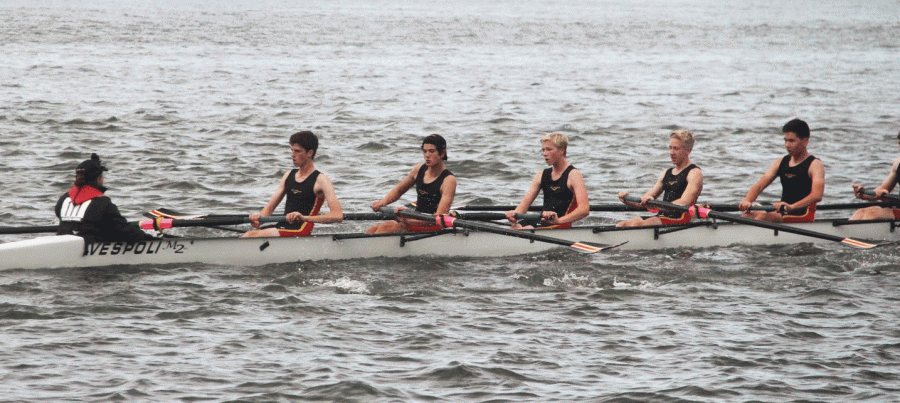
x=69, y=251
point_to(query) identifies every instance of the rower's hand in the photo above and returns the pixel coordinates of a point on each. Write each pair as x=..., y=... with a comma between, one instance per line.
x=782, y=207
x=744, y=205
x=622, y=195
x=397, y=217
x=511, y=216
x=550, y=217
x=254, y=219
x=294, y=217
x=378, y=205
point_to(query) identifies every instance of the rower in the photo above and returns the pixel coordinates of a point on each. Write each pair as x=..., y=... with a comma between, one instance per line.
x=876, y=212
x=86, y=211
x=306, y=190
x=435, y=187
x=802, y=180
x=565, y=196
x=680, y=184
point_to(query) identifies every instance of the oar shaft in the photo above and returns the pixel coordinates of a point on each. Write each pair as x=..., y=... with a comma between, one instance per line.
x=893, y=199
x=714, y=206
x=706, y=212
x=450, y=221
x=36, y=229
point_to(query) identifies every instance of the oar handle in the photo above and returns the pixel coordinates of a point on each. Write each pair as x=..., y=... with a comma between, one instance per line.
x=887, y=196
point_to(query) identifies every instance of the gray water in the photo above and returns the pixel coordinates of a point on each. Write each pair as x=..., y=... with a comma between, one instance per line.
x=191, y=103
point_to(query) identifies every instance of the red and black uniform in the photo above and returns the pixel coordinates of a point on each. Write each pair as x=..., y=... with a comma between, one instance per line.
x=301, y=198
x=85, y=211
x=557, y=195
x=673, y=188
x=795, y=186
x=428, y=197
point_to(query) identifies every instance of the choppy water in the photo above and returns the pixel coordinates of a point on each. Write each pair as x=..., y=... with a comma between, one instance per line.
x=190, y=104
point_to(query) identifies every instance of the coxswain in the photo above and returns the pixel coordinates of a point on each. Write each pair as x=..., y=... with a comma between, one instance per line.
x=802, y=180
x=306, y=190
x=680, y=184
x=877, y=212
x=435, y=189
x=565, y=196
x=86, y=211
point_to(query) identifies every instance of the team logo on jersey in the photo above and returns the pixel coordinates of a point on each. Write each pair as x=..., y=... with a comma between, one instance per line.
x=789, y=175
x=555, y=188
x=72, y=212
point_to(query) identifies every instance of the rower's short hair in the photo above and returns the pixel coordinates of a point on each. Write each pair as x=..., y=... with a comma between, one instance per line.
x=558, y=139
x=798, y=127
x=686, y=137
x=307, y=140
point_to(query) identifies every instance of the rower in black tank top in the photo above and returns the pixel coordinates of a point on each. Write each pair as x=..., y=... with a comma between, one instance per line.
x=795, y=181
x=557, y=195
x=674, y=187
x=301, y=196
x=429, y=194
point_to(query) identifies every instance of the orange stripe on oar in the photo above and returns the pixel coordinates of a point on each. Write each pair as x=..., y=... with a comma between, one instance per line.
x=585, y=248
x=857, y=244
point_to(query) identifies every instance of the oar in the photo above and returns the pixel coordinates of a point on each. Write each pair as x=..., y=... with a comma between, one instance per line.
x=708, y=213
x=450, y=221
x=386, y=214
x=33, y=229
x=893, y=199
x=717, y=207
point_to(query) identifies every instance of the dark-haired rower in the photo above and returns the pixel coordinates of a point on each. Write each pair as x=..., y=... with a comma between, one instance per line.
x=435, y=189
x=306, y=190
x=802, y=180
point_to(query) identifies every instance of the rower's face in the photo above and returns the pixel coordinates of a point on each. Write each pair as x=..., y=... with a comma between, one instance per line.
x=677, y=152
x=551, y=152
x=793, y=144
x=299, y=154
x=431, y=154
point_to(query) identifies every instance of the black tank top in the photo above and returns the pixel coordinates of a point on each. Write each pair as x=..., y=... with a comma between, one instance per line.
x=301, y=197
x=557, y=196
x=429, y=194
x=674, y=185
x=795, y=181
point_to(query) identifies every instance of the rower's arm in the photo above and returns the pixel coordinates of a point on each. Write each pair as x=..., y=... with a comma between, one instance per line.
x=760, y=185
x=448, y=192
x=405, y=184
x=533, y=190
x=276, y=198
x=325, y=189
x=692, y=191
x=817, y=174
x=651, y=193
x=891, y=180
x=576, y=185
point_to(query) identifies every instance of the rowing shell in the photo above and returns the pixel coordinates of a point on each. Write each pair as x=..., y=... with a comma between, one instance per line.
x=70, y=251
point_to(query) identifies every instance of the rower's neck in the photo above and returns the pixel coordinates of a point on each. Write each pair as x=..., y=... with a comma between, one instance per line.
x=306, y=169
x=560, y=166
x=680, y=167
x=799, y=158
x=436, y=169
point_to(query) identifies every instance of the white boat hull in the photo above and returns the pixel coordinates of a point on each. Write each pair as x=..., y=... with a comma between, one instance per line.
x=70, y=251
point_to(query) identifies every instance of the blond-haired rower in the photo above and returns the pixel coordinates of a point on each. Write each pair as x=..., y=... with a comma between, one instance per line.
x=680, y=184
x=565, y=196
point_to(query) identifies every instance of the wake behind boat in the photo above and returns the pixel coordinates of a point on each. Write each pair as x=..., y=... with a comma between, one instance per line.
x=68, y=251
